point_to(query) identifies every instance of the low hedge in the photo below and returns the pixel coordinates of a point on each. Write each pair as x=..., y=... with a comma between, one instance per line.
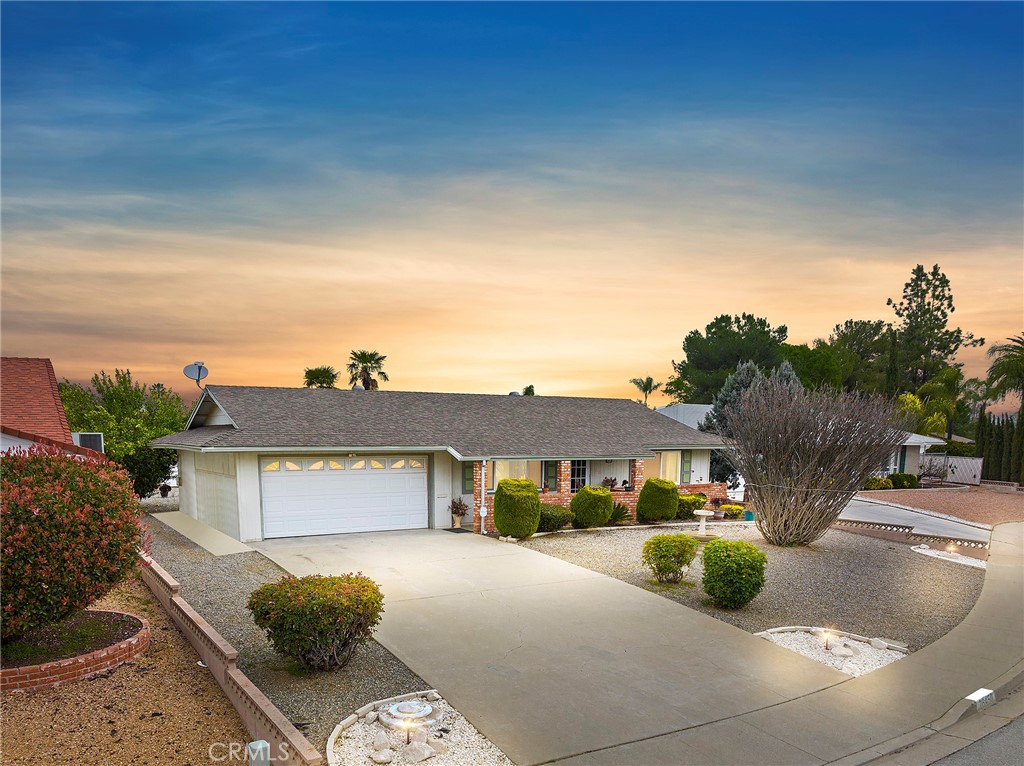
x=553, y=517
x=687, y=504
x=668, y=556
x=591, y=507
x=318, y=621
x=733, y=572
x=955, y=449
x=658, y=501
x=905, y=481
x=731, y=511
x=516, y=508
x=877, y=482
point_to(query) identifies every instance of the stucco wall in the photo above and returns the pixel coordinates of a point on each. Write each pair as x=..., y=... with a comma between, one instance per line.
x=216, y=491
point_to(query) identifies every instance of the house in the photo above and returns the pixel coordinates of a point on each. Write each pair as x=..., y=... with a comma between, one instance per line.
x=687, y=414
x=278, y=462
x=908, y=458
x=31, y=411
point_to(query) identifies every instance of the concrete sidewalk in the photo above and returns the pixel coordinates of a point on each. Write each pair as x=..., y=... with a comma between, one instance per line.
x=557, y=663
x=923, y=522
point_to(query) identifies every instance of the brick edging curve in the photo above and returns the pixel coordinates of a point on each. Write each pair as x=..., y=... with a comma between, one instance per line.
x=49, y=675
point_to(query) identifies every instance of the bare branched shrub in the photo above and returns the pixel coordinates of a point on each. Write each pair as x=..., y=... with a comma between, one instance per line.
x=804, y=454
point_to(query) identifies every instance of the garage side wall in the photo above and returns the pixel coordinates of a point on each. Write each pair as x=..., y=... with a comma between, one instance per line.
x=187, y=483
x=217, y=491
x=247, y=485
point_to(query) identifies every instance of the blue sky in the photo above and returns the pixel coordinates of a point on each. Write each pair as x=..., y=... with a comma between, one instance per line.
x=478, y=174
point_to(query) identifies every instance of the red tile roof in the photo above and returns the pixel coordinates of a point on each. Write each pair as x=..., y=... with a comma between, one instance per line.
x=29, y=399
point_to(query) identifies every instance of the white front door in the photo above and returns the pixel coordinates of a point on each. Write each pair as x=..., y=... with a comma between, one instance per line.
x=328, y=494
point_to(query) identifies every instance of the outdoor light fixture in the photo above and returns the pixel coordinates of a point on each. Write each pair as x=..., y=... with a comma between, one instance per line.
x=407, y=725
x=951, y=548
x=828, y=639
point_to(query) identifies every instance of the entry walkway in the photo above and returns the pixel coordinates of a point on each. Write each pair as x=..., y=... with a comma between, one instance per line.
x=557, y=663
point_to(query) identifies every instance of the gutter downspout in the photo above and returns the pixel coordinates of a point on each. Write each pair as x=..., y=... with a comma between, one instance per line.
x=483, y=495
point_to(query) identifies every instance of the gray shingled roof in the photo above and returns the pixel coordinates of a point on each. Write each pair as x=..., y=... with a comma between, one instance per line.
x=473, y=425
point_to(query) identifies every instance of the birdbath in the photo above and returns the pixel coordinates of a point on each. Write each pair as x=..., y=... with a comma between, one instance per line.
x=703, y=531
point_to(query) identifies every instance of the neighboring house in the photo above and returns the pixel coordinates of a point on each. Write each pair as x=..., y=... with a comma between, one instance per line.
x=278, y=462
x=688, y=414
x=31, y=411
x=908, y=458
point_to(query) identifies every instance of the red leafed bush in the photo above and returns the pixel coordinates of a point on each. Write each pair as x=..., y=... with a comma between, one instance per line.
x=71, y=530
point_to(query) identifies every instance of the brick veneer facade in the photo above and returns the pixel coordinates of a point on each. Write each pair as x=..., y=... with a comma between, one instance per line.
x=61, y=672
x=562, y=494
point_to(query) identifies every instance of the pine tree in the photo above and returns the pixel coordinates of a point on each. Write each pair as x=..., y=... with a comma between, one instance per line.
x=980, y=433
x=992, y=452
x=1004, y=470
x=1017, y=448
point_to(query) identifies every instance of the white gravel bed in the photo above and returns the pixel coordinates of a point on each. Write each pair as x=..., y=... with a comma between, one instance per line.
x=812, y=645
x=464, y=744
x=956, y=558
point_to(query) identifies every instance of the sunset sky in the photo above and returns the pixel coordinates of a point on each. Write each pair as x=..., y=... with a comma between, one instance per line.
x=495, y=195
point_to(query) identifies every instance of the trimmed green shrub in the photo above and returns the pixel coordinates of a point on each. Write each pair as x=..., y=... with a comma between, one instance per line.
x=731, y=511
x=668, y=556
x=516, y=508
x=877, y=482
x=733, y=572
x=658, y=501
x=957, y=449
x=591, y=507
x=620, y=514
x=318, y=621
x=904, y=481
x=690, y=503
x=70, y=529
x=553, y=517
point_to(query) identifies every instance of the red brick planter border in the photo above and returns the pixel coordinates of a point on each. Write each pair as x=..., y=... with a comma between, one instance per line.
x=60, y=672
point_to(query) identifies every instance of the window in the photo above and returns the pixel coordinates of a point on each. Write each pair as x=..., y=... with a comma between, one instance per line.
x=336, y=465
x=685, y=475
x=577, y=475
x=398, y=462
x=357, y=465
x=550, y=474
x=467, y=478
x=271, y=465
x=314, y=465
x=290, y=465
x=507, y=469
x=377, y=464
x=415, y=462
x=670, y=466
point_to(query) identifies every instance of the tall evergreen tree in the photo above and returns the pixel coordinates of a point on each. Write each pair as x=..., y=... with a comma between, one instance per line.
x=1007, y=448
x=1017, y=451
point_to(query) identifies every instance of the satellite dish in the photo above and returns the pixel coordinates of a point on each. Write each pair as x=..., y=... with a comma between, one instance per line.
x=358, y=387
x=196, y=371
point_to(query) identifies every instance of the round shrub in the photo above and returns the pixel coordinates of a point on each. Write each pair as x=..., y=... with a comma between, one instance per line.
x=733, y=572
x=690, y=503
x=905, y=481
x=878, y=482
x=553, y=517
x=516, y=508
x=318, y=621
x=668, y=556
x=71, y=531
x=658, y=501
x=591, y=507
x=731, y=511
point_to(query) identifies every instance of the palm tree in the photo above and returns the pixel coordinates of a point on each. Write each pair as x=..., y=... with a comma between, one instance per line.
x=529, y=391
x=647, y=386
x=320, y=377
x=363, y=365
x=1006, y=374
x=946, y=393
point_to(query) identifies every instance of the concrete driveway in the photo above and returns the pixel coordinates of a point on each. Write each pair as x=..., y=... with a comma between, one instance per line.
x=923, y=522
x=551, y=660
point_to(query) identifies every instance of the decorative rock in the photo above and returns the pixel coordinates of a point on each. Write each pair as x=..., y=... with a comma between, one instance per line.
x=842, y=651
x=418, y=735
x=381, y=756
x=371, y=716
x=416, y=752
x=433, y=696
x=877, y=643
x=438, y=746
x=381, y=741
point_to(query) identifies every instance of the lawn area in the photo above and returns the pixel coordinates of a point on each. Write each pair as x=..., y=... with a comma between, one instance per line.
x=855, y=583
x=160, y=708
x=978, y=504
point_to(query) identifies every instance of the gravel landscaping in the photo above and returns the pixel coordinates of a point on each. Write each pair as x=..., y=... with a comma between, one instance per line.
x=978, y=504
x=218, y=587
x=160, y=708
x=851, y=582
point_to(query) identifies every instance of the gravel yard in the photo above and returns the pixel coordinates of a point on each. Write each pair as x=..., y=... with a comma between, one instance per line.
x=160, y=708
x=218, y=587
x=979, y=504
x=851, y=582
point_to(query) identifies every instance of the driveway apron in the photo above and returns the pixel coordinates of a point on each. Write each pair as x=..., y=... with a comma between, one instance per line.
x=550, y=660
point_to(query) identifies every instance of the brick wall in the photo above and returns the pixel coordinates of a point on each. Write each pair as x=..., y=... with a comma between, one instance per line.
x=52, y=674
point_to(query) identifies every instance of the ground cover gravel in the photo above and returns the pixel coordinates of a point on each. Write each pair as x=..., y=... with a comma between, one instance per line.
x=865, y=657
x=978, y=504
x=851, y=582
x=218, y=587
x=160, y=708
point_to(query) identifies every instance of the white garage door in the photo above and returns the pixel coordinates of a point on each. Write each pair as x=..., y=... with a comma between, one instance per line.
x=325, y=494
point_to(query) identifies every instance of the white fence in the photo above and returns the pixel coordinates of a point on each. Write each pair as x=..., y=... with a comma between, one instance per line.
x=962, y=470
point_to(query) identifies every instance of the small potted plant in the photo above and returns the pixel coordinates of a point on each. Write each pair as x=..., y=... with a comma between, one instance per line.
x=610, y=482
x=716, y=505
x=165, y=490
x=459, y=509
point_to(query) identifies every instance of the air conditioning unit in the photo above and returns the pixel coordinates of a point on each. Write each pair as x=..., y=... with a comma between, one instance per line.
x=93, y=441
